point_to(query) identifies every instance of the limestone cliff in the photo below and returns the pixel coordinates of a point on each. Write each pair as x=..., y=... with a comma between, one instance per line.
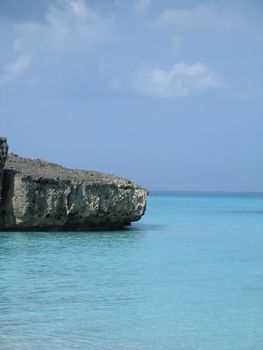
x=38, y=195
x=3, y=155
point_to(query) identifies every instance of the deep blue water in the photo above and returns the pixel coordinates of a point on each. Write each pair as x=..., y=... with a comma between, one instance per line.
x=189, y=276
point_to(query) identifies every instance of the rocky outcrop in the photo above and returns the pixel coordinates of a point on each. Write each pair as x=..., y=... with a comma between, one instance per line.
x=3, y=155
x=38, y=195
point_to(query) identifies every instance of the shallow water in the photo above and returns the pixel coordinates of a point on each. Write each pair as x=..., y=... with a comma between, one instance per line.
x=189, y=276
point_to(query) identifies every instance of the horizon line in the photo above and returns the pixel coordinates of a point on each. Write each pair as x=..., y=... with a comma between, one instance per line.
x=207, y=192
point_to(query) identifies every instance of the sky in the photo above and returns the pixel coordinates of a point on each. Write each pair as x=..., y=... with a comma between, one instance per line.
x=166, y=93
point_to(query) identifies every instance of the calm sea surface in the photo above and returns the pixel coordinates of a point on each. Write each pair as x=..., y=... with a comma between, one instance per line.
x=189, y=276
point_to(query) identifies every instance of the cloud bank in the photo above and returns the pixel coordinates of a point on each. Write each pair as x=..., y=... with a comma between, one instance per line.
x=71, y=35
x=76, y=49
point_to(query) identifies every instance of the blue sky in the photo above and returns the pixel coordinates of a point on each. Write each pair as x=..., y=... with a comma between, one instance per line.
x=166, y=93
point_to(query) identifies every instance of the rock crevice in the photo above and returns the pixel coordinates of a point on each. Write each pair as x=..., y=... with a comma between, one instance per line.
x=3, y=155
x=38, y=195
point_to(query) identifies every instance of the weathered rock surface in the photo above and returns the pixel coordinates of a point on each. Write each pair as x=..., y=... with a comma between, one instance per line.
x=3, y=155
x=38, y=195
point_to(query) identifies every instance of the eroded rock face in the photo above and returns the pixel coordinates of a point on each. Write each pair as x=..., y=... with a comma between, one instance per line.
x=42, y=196
x=3, y=155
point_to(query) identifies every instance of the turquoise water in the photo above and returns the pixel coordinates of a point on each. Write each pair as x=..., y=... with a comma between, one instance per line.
x=189, y=276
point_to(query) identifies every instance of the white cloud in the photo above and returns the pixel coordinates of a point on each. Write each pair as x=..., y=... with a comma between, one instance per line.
x=182, y=80
x=72, y=30
x=198, y=18
x=76, y=26
x=11, y=70
x=140, y=6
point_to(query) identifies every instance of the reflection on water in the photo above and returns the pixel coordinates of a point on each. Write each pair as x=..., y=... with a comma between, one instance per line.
x=141, y=227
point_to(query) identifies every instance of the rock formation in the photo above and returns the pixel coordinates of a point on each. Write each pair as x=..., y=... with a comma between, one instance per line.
x=3, y=155
x=38, y=195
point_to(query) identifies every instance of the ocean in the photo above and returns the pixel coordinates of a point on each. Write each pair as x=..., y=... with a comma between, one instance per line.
x=188, y=276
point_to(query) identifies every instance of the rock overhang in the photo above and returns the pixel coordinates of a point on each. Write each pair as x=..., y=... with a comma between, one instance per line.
x=39, y=195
